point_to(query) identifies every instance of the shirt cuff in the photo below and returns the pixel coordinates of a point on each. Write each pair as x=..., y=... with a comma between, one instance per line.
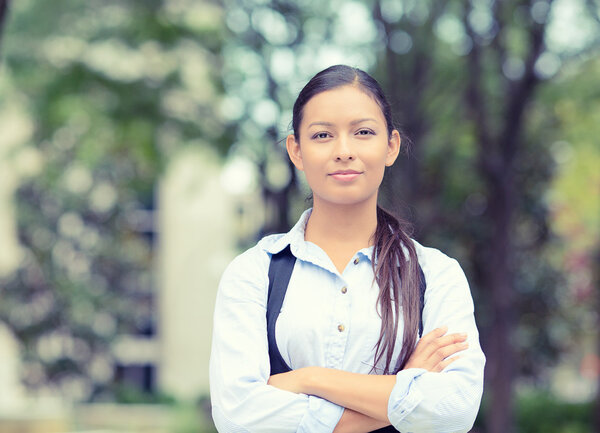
x=321, y=416
x=404, y=397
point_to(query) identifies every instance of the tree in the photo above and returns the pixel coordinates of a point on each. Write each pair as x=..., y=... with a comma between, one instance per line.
x=498, y=156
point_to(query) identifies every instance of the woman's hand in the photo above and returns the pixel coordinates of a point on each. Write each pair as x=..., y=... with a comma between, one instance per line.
x=434, y=350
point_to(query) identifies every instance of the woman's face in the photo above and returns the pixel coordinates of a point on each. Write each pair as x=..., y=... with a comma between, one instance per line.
x=343, y=146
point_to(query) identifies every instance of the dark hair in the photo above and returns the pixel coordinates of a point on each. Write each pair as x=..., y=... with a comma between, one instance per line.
x=394, y=256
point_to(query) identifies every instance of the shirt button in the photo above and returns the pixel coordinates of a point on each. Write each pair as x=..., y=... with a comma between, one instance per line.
x=356, y=261
x=341, y=327
x=344, y=289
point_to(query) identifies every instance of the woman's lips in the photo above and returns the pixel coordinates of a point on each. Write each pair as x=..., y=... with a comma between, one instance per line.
x=345, y=176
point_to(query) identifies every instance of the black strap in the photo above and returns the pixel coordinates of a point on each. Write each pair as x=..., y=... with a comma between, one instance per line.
x=388, y=429
x=422, y=288
x=280, y=272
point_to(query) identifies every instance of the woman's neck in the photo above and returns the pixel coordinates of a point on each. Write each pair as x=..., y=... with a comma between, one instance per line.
x=351, y=226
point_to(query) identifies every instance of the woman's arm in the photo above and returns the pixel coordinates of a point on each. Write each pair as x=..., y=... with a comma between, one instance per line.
x=365, y=393
x=239, y=365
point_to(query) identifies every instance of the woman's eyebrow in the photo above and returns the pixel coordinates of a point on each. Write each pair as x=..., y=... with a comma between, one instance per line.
x=366, y=119
x=354, y=122
x=320, y=124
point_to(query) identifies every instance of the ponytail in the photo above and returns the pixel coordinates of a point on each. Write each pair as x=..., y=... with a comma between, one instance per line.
x=397, y=274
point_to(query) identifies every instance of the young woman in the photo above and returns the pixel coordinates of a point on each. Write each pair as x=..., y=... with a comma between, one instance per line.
x=349, y=325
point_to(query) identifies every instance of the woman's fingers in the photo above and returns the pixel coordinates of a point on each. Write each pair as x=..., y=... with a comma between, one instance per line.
x=438, y=336
x=436, y=333
x=434, y=351
x=445, y=363
x=451, y=349
x=428, y=342
x=439, y=344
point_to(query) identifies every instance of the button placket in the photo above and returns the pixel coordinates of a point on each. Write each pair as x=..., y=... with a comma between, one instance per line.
x=340, y=320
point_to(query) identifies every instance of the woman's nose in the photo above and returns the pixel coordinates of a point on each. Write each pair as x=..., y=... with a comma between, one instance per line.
x=344, y=150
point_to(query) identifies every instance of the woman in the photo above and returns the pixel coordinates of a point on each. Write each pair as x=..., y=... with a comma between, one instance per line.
x=355, y=365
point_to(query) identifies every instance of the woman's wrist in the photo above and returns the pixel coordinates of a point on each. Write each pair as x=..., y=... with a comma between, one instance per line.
x=309, y=379
x=364, y=393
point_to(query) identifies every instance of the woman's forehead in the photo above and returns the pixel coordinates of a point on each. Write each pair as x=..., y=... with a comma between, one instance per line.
x=350, y=103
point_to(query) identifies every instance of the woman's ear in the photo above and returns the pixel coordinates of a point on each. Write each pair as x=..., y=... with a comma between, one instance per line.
x=393, y=148
x=293, y=149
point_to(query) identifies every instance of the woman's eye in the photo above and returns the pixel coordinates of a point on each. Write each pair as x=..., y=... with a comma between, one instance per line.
x=365, y=132
x=321, y=135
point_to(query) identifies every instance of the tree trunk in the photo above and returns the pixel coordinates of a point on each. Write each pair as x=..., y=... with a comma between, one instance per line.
x=277, y=201
x=497, y=154
x=3, y=15
x=499, y=276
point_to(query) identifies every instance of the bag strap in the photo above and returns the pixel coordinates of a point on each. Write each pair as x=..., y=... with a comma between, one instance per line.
x=422, y=288
x=280, y=271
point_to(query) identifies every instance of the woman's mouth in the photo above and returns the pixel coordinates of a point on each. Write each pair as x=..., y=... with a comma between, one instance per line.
x=345, y=175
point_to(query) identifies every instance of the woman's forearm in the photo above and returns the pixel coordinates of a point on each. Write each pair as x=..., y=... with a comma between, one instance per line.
x=356, y=422
x=364, y=393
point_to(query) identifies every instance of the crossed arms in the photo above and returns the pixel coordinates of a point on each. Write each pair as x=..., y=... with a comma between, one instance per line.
x=365, y=397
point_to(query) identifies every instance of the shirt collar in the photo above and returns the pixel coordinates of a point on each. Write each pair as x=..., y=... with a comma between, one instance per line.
x=294, y=237
x=302, y=249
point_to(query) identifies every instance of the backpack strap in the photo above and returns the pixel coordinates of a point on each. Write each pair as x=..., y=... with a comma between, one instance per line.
x=422, y=288
x=280, y=271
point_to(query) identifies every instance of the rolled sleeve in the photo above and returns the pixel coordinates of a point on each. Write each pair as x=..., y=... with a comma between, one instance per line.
x=404, y=397
x=448, y=401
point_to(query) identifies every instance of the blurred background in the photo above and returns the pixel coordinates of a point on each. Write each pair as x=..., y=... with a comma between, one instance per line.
x=140, y=151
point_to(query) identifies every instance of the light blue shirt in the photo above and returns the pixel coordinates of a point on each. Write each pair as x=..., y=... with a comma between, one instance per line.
x=330, y=319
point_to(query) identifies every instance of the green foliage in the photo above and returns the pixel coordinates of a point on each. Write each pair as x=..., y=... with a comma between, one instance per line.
x=539, y=412
x=112, y=90
x=127, y=394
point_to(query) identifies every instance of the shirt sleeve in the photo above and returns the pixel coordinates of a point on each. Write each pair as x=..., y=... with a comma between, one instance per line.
x=423, y=401
x=239, y=363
